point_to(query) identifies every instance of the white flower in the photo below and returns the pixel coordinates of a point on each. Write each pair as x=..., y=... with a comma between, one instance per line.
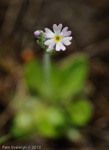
x=58, y=38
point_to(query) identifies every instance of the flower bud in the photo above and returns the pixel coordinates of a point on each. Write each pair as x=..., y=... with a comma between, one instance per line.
x=50, y=51
x=36, y=33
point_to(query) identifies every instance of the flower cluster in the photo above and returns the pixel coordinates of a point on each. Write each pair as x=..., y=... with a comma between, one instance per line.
x=54, y=41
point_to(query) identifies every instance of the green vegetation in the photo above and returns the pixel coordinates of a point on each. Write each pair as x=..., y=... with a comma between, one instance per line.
x=59, y=108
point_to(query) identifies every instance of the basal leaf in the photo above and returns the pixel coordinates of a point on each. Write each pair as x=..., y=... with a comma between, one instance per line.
x=72, y=76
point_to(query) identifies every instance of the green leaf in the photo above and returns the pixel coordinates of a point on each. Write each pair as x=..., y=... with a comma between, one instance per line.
x=80, y=112
x=50, y=122
x=23, y=125
x=34, y=75
x=71, y=77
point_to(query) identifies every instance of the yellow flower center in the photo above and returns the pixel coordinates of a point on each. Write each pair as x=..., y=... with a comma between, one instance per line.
x=57, y=38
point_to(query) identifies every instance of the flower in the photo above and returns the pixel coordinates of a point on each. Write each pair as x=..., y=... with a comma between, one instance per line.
x=58, y=38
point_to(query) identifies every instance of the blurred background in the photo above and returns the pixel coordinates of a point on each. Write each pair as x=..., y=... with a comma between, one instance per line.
x=75, y=114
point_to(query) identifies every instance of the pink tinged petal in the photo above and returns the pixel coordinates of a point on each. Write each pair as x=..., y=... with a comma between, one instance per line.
x=63, y=47
x=65, y=29
x=60, y=46
x=44, y=34
x=50, y=42
x=57, y=29
x=66, y=42
x=68, y=33
x=48, y=33
x=54, y=27
x=67, y=38
x=57, y=47
x=65, y=32
x=51, y=46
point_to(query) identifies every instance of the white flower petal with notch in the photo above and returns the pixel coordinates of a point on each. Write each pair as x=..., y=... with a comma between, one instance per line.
x=49, y=33
x=57, y=29
x=66, y=40
x=60, y=46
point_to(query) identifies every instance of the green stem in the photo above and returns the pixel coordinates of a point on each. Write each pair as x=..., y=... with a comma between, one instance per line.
x=47, y=66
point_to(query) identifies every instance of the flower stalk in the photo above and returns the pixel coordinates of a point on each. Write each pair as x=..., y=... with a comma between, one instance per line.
x=47, y=70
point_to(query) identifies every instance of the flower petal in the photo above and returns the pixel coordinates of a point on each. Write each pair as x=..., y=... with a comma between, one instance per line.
x=60, y=27
x=51, y=46
x=65, y=33
x=49, y=42
x=48, y=33
x=60, y=46
x=65, y=29
x=66, y=40
x=66, y=43
x=57, y=29
x=69, y=33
